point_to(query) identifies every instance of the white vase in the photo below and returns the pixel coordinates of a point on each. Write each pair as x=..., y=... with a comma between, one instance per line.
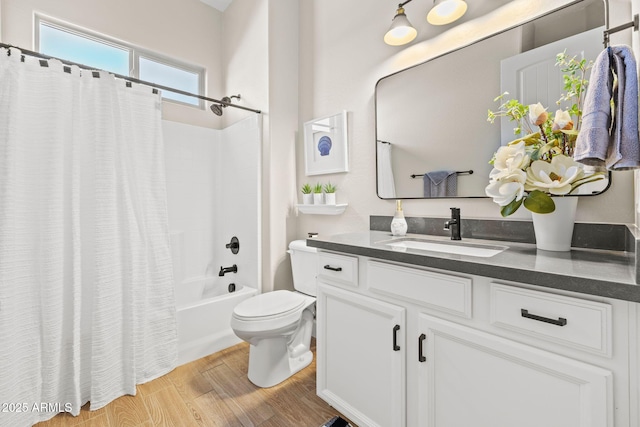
x=330, y=198
x=554, y=230
x=307, y=199
x=317, y=199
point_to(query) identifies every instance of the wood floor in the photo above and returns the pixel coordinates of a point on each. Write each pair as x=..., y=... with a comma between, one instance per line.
x=212, y=391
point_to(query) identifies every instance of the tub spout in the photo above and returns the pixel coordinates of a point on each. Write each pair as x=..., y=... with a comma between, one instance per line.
x=225, y=270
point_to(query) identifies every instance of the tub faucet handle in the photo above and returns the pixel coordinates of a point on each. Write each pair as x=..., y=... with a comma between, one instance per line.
x=225, y=270
x=233, y=245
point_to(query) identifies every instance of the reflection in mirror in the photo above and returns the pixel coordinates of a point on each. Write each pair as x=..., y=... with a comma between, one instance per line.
x=433, y=137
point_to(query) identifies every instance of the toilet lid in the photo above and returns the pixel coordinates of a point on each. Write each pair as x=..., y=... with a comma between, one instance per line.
x=269, y=304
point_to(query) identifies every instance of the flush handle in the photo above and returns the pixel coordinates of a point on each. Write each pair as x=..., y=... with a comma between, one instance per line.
x=421, y=339
x=561, y=321
x=396, y=347
x=328, y=267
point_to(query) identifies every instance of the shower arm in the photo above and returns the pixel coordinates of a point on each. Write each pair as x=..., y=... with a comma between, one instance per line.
x=126, y=78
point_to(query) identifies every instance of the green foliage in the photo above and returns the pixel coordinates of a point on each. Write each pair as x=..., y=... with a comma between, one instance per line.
x=575, y=84
x=536, y=201
x=306, y=189
x=514, y=110
x=329, y=188
x=510, y=208
x=539, y=202
x=317, y=188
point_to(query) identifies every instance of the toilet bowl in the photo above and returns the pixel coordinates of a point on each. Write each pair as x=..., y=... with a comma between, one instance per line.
x=278, y=324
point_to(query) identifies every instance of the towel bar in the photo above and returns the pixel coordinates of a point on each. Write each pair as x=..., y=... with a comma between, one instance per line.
x=469, y=172
x=635, y=24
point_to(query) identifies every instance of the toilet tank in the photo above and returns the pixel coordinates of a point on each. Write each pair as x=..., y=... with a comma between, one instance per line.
x=304, y=265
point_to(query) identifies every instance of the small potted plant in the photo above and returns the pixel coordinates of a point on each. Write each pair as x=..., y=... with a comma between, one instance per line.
x=330, y=194
x=317, y=194
x=307, y=197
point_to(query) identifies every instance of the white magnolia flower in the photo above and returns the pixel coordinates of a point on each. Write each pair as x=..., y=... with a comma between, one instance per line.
x=554, y=178
x=509, y=188
x=509, y=158
x=562, y=121
x=538, y=114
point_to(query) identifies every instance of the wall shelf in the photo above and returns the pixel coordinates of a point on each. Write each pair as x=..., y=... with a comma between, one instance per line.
x=322, y=209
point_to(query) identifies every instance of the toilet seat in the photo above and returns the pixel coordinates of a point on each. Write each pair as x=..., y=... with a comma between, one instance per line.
x=270, y=305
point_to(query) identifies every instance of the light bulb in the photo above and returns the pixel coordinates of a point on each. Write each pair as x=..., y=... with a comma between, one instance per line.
x=446, y=12
x=401, y=31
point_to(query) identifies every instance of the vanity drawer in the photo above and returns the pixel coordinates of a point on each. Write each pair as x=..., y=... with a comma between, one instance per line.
x=444, y=292
x=574, y=322
x=341, y=269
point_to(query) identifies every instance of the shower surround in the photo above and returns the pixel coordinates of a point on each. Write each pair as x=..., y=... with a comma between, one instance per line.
x=213, y=194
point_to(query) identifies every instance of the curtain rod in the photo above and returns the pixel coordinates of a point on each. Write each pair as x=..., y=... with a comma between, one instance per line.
x=127, y=78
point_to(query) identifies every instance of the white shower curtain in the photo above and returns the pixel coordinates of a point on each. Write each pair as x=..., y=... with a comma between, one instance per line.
x=86, y=297
x=386, y=182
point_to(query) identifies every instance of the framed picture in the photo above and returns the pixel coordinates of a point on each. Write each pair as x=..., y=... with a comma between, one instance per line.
x=325, y=145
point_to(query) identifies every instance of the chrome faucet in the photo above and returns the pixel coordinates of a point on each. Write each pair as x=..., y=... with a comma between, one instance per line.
x=225, y=270
x=453, y=224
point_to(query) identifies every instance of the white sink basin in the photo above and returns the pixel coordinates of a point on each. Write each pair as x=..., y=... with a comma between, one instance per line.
x=459, y=248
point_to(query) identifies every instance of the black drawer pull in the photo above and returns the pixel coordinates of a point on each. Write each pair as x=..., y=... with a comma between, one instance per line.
x=560, y=322
x=328, y=267
x=421, y=339
x=396, y=347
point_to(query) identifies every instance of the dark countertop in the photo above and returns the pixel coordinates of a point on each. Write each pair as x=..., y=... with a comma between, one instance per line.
x=590, y=271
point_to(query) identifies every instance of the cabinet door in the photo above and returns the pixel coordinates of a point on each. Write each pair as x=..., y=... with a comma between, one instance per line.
x=472, y=378
x=361, y=357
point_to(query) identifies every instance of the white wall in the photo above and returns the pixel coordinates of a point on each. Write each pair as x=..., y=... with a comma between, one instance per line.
x=212, y=195
x=261, y=57
x=237, y=200
x=187, y=30
x=342, y=55
x=283, y=112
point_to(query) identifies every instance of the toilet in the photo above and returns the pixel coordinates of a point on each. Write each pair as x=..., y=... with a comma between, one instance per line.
x=278, y=324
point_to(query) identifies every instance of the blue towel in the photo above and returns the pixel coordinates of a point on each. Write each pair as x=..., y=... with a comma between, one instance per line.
x=440, y=184
x=609, y=139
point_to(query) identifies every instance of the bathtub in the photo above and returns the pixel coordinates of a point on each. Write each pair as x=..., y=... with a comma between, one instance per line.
x=203, y=309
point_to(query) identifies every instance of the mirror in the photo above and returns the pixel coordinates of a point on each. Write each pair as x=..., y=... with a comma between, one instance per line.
x=432, y=117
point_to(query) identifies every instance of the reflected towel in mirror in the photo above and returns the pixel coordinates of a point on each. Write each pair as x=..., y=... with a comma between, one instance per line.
x=440, y=184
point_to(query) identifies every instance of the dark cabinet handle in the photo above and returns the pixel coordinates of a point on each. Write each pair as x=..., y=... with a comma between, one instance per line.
x=561, y=321
x=421, y=339
x=396, y=347
x=328, y=267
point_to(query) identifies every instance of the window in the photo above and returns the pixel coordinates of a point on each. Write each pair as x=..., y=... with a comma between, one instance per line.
x=80, y=46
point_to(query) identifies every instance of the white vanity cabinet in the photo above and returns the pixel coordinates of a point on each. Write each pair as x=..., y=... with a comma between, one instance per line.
x=361, y=362
x=473, y=378
x=399, y=345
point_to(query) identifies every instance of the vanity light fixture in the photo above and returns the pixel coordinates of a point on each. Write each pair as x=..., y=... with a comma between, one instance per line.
x=443, y=12
x=401, y=31
x=446, y=11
